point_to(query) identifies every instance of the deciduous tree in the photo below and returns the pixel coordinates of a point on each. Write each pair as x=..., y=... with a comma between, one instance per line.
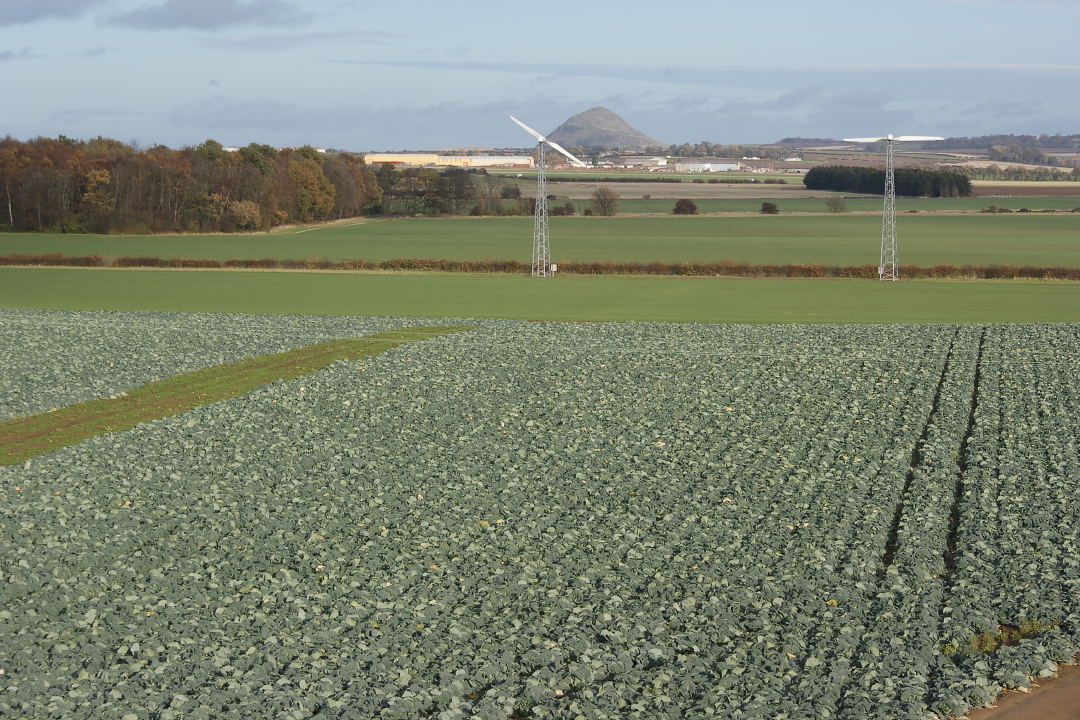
x=685, y=207
x=605, y=202
x=836, y=204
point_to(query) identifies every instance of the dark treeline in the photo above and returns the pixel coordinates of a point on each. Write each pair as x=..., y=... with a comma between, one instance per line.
x=910, y=182
x=106, y=186
x=720, y=268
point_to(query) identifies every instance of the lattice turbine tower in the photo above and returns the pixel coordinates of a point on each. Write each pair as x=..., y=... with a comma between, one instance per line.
x=889, y=268
x=541, y=252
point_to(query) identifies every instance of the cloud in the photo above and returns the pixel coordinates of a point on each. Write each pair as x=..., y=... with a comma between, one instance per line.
x=1061, y=7
x=6, y=55
x=361, y=126
x=785, y=102
x=1003, y=109
x=273, y=41
x=210, y=14
x=711, y=76
x=19, y=12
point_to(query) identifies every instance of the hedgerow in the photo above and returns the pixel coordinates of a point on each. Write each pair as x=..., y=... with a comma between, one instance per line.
x=719, y=268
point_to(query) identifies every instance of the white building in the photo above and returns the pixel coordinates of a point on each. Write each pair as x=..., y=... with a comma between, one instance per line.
x=698, y=167
x=433, y=160
x=645, y=162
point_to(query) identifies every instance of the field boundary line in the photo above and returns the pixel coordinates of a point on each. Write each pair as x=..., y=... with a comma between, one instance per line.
x=691, y=268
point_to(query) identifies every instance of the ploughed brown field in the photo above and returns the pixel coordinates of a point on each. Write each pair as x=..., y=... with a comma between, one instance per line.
x=1026, y=189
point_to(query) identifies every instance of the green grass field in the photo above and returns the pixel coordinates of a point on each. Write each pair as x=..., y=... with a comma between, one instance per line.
x=566, y=298
x=1045, y=240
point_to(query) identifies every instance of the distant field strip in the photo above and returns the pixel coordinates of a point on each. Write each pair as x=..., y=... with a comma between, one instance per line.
x=24, y=438
x=1034, y=239
x=565, y=297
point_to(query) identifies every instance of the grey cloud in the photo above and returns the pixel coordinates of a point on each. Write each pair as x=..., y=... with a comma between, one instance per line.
x=15, y=55
x=210, y=14
x=785, y=102
x=1005, y=109
x=19, y=12
x=360, y=126
x=272, y=41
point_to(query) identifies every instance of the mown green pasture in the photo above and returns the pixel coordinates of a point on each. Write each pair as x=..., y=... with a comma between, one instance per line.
x=583, y=298
x=1041, y=240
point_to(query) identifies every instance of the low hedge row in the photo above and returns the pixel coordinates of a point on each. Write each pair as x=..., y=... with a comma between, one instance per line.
x=725, y=268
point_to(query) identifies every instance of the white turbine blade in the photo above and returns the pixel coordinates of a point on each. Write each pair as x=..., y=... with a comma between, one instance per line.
x=865, y=140
x=917, y=138
x=528, y=129
x=560, y=148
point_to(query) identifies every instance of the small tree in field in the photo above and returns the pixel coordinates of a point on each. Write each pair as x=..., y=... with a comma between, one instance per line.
x=768, y=208
x=836, y=205
x=685, y=207
x=605, y=202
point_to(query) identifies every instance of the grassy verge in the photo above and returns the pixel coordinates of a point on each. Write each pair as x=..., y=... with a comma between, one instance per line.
x=23, y=438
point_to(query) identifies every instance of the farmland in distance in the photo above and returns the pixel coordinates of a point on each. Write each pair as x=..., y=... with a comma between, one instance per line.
x=1028, y=239
x=554, y=520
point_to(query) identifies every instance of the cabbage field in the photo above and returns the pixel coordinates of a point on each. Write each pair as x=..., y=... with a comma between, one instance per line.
x=51, y=358
x=558, y=520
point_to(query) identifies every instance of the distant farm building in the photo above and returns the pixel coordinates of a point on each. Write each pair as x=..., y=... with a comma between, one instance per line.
x=697, y=167
x=645, y=162
x=433, y=160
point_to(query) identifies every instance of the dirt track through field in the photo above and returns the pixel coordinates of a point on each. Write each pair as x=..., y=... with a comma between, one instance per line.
x=1050, y=699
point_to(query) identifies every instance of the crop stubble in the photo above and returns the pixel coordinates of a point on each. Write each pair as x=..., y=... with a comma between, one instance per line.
x=642, y=520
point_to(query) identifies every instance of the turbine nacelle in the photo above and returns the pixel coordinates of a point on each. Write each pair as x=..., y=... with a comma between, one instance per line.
x=544, y=141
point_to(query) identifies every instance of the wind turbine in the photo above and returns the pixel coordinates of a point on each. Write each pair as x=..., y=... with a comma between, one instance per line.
x=889, y=269
x=541, y=254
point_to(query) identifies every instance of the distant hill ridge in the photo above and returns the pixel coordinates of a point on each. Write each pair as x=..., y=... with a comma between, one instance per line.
x=600, y=126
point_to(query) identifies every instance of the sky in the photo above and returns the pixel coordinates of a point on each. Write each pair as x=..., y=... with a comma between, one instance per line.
x=420, y=74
